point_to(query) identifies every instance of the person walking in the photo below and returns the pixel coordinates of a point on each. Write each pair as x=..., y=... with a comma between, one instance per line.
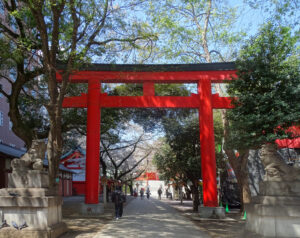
x=159, y=191
x=142, y=193
x=148, y=192
x=118, y=198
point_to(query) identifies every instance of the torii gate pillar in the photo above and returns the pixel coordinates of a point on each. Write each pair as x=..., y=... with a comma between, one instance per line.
x=93, y=142
x=207, y=143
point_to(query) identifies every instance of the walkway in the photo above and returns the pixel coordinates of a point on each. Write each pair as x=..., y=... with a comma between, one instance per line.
x=150, y=218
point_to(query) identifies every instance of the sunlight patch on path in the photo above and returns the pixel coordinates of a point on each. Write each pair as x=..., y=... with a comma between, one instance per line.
x=151, y=218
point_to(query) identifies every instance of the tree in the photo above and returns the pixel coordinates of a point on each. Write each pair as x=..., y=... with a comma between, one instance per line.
x=19, y=49
x=178, y=159
x=282, y=12
x=73, y=32
x=195, y=31
x=198, y=32
x=267, y=90
x=123, y=158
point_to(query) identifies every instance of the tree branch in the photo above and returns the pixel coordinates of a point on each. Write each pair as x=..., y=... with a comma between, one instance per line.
x=108, y=154
x=133, y=167
x=218, y=53
x=101, y=24
x=8, y=31
x=4, y=93
x=130, y=153
x=139, y=174
x=131, y=40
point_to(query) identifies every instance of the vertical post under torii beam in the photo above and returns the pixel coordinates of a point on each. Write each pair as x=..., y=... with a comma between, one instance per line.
x=148, y=89
x=93, y=143
x=207, y=142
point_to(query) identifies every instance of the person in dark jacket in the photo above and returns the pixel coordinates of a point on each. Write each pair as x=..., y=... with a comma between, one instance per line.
x=118, y=198
x=159, y=191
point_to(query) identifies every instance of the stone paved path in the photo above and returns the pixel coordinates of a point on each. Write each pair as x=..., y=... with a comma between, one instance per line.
x=150, y=218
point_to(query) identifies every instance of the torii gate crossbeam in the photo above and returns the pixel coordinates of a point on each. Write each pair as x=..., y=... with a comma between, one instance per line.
x=204, y=101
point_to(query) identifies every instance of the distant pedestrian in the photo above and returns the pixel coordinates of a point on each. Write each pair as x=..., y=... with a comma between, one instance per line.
x=148, y=192
x=168, y=194
x=134, y=192
x=142, y=193
x=118, y=198
x=159, y=191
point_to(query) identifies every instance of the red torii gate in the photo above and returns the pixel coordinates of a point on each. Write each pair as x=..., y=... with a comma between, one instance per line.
x=202, y=74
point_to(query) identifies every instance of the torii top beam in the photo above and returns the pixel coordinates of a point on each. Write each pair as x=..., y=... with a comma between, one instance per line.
x=170, y=73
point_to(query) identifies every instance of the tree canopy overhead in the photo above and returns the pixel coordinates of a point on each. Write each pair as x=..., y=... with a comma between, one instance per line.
x=67, y=30
x=195, y=31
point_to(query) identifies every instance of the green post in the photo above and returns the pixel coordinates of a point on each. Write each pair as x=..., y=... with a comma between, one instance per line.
x=226, y=209
x=245, y=216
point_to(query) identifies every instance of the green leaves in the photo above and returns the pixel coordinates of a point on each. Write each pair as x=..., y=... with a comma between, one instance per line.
x=179, y=155
x=189, y=31
x=267, y=87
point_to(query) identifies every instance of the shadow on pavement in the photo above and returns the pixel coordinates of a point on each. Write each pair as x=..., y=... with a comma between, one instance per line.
x=233, y=227
x=80, y=226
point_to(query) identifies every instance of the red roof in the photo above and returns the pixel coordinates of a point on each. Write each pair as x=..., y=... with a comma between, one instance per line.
x=148, y=176
x=291, y=143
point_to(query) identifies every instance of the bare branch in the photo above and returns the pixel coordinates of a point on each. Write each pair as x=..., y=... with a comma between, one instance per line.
x=108, y=154
x=217, y=52
x=131, y=40
x=32, y=74
x=130, y=153
x=26, y=94
x=135, y=177
x=204, y=33
x=8, y=31
x=7, y=78
x=99, y=28
x=3, y=92
x=133, y=167
x=19, y=22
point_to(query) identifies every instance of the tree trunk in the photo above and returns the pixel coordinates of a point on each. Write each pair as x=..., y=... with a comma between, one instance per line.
x=55, y=143
x=240, y=167
x=19, y=128
x=104, y=167
x=131, y=188
x=196, y=200
x=54, y=147
x=180, y=194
